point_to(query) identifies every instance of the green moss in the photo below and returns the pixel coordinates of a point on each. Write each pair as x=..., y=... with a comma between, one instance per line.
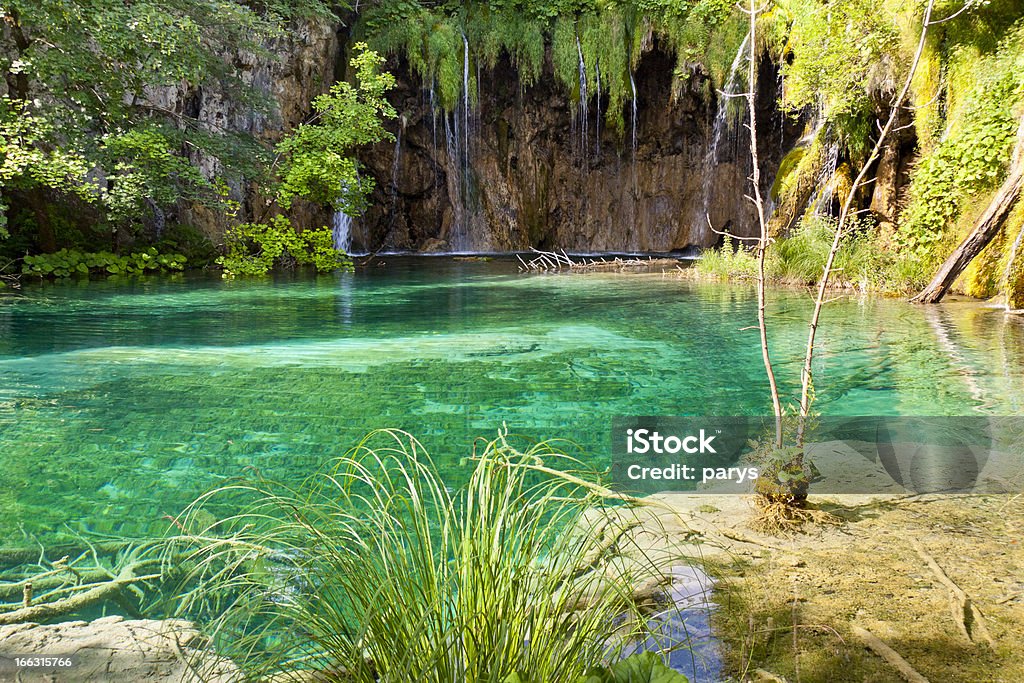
x=985, y=94
x=789, y=164
x=1012, y=264
x=611, y=37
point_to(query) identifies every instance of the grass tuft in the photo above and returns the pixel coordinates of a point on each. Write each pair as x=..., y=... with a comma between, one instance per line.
x=374, y=570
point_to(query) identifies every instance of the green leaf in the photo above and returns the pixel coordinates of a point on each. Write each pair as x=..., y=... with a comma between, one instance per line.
x=645, y=667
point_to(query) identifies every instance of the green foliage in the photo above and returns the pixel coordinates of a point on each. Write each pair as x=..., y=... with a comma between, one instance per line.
x=863, y=262
x=728, y=263
x=318, y=164
x=79, y=118
x=27, y=160
x=255, y=248
x=144, y=167
x=430, y=36
x=838, y=49
x=377, y=568
x=973, y=155
x=646, y=667
x=69, y=262
x=319, y=158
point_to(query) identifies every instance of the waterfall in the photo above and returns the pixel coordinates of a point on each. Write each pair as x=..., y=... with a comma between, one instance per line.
x=780, y=116
x=393, y=189
x=341, y=230
x=826, y=181
x=730, y=90
x=433, y=118
x=597, y=120
x=456, y=133
x=632, y=85
x=453, y=142
x=452, y=138
x=633, y=125
x=465, y=103
x=583, y=99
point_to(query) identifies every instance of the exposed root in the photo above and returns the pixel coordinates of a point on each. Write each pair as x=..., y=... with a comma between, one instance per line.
x=783, y=517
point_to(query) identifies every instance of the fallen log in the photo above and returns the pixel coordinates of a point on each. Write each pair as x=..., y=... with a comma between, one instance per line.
x=985, y=228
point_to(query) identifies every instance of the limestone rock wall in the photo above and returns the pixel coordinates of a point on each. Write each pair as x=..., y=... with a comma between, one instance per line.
x=528, y=181
x=300, y=65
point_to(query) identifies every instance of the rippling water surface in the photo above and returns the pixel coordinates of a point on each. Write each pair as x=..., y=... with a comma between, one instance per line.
x=121, y=401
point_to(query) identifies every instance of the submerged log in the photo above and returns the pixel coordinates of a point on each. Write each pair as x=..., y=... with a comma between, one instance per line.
x=985, y=229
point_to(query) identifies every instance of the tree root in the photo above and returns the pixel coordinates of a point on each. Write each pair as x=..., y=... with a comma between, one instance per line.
x=893, y=658
x=966, y=615
x=778, y=517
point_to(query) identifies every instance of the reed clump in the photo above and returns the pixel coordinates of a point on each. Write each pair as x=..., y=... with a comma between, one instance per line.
x=375, y=570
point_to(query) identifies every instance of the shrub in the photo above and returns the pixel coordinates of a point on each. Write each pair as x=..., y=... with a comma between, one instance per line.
x=254, y=248
x=731, y=262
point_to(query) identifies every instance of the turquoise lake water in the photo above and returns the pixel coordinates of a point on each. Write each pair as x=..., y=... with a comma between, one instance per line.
x=121, y=401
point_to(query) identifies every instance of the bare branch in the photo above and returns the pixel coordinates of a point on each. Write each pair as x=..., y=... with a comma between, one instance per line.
x=806, y=376
x=951, y=17
x=762, y=242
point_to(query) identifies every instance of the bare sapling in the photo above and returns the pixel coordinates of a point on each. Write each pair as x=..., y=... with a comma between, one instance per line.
x=758, y=200
x=782, y=497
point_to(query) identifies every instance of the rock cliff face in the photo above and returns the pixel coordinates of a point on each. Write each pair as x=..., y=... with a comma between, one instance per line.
x=300, y=65
x=529, y=179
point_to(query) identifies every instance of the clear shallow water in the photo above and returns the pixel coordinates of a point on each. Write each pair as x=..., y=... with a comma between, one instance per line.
x=122, y=401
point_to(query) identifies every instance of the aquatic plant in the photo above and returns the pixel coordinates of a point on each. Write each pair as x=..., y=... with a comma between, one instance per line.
x=376, y=571
x=68, y=262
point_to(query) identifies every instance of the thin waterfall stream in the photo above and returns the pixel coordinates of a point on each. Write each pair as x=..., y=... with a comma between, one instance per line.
x=729, y=92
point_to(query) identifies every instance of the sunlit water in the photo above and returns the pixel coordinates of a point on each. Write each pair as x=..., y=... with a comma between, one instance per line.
x=121, y=402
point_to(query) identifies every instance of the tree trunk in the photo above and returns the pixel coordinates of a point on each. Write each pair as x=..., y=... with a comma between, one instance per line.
x=986, y=228
x=46, y=238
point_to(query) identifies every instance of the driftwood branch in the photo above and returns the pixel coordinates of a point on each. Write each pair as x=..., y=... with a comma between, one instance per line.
x=548, y=261
x=98, y=592
x=966, y=615
x=891, y=657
